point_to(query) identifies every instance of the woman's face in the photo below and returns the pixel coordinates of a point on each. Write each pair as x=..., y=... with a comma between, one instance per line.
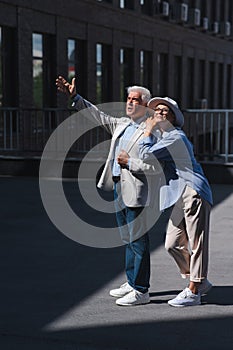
x=164, y=113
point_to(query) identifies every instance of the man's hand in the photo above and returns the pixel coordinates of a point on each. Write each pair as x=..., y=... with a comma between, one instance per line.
x=123, y=158
x=65, y=87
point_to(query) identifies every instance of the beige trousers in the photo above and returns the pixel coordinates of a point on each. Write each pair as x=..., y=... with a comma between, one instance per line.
x=187, y=237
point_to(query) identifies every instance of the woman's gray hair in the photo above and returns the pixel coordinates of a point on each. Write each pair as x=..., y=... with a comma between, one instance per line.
x=145, y=93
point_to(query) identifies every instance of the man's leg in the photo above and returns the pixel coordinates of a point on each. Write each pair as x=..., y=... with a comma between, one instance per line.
x=141, y=270
x=138, y=249
x=132, y=224
x=137, y=259
x=121, y=218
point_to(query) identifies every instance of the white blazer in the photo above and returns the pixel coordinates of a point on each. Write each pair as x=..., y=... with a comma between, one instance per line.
x=139, y=183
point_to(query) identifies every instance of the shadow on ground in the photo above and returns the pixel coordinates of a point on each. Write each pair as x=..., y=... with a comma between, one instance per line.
x=44, y=274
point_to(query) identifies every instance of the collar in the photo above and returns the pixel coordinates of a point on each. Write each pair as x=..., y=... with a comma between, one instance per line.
x=137, y=122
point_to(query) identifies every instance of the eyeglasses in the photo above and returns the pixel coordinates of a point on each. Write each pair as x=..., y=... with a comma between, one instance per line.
x=162, y=110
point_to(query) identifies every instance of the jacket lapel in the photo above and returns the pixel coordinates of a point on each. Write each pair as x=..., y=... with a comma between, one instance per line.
x=138, y=133
x=119, y=130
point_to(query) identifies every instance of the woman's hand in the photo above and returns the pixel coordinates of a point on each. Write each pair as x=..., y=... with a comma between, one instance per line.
x=151, y=122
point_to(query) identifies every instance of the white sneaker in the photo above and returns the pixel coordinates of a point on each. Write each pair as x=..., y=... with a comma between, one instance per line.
x=122, y=291
x=134, y=298
x=204, y=287
x=186, y=298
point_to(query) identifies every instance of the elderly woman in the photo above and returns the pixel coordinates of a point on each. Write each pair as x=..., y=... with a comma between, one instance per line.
x=186, y=191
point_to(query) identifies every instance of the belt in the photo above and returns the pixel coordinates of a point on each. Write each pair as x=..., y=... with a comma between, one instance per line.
x=116, y=178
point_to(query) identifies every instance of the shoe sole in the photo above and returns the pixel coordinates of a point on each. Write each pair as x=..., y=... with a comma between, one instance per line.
x=135, y=304
x=117, y=295
x=180, y=305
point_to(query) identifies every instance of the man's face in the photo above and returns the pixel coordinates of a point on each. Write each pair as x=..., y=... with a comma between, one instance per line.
x=135, y=108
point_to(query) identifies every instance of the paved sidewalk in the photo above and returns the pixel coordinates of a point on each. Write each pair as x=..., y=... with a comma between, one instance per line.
x=55, y=292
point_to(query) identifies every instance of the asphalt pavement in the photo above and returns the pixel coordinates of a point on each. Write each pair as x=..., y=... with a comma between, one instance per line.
x=55, y=291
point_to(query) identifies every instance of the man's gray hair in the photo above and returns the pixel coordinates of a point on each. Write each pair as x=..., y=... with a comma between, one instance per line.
x=145, y=93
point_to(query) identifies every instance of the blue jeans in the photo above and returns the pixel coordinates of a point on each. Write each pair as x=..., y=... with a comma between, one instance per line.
x=134, y=235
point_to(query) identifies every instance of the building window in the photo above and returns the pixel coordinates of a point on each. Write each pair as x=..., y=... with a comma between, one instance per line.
x=203, y=6
x=77, y=63
x=99, y=73
x=71, y=58
x=177, y=80
x=230, y=11
x=221, y=83
x=193, y=3
x=126, y=4
x=201, y=80
x=142, y=67
x=8, y=68
x=162, y=86
x=229, y=80
x=1, y=92
x=214, y=13
x=126, y=71
x=37, y=67
x=190, y=84
x=212, y=85
x=44, y=70
x=103, y=73
x=145, y=73
x=223, y=11
x=147, y=7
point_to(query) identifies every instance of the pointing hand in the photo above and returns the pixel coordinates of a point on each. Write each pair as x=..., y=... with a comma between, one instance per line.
x=65, y=87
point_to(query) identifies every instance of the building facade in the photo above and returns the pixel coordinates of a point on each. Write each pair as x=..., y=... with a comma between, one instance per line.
x=181, y=49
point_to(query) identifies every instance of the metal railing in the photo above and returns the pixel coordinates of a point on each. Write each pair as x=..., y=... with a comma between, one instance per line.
x=26, y=131
x=211, y=132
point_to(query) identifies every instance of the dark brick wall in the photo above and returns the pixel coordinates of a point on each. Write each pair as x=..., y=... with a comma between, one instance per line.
x=95, y=21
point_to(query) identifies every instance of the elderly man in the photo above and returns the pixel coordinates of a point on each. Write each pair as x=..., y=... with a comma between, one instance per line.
x=131, y=179
x=186, y=191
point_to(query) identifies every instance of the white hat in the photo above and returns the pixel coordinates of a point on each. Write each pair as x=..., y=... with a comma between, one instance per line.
x=155, y=101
